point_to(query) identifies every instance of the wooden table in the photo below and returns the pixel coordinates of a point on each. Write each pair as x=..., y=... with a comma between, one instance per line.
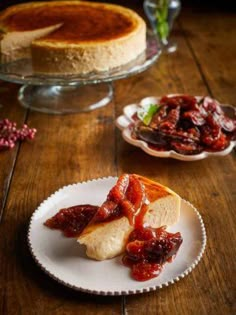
x=75, y=148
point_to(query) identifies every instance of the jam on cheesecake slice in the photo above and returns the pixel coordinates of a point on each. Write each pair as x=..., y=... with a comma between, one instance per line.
x=134, y=202
x=148, y=249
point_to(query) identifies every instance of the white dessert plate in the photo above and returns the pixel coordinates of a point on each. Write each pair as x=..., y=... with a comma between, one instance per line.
x=124, y=123
x=65, y=261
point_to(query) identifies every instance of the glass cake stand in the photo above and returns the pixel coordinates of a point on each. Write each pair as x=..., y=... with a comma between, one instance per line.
x=72, y=93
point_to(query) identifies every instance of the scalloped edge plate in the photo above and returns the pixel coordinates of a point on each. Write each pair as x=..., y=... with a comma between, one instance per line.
x=65, y=261
x=124, y=122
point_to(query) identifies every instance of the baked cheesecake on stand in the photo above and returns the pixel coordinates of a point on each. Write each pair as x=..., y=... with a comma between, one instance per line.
x=70, y=44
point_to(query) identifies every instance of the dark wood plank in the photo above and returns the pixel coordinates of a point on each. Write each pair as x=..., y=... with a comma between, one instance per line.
x=209, y=184
x=9, y=108
x=213, y=44
x=67, y=149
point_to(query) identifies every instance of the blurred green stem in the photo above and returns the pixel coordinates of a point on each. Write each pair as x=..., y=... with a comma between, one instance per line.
x=162, y=23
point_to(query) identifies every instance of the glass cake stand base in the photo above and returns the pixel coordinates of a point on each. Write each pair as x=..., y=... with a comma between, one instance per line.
x=58, y=99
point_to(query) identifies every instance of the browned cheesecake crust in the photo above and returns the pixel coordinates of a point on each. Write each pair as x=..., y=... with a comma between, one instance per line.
x=79, y=23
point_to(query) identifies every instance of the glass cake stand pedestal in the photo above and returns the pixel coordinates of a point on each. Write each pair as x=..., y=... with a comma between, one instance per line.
x=59, y=99
x=72, y=93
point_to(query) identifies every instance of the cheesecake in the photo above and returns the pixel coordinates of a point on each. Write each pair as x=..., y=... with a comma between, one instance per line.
x=134, y=203
x=71, y=37
x=160, y=206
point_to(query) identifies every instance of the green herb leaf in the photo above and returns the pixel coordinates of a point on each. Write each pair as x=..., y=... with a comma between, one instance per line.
x=145, y=113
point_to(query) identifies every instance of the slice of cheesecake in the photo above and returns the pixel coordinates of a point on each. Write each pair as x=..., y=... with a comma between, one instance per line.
x=68, y=37
x=159, y=207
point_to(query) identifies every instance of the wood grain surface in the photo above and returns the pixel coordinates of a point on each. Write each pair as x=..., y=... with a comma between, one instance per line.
x=8, y=94
x=73, y=148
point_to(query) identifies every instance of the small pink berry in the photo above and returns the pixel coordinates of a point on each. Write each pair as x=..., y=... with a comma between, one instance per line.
x=9, y=134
